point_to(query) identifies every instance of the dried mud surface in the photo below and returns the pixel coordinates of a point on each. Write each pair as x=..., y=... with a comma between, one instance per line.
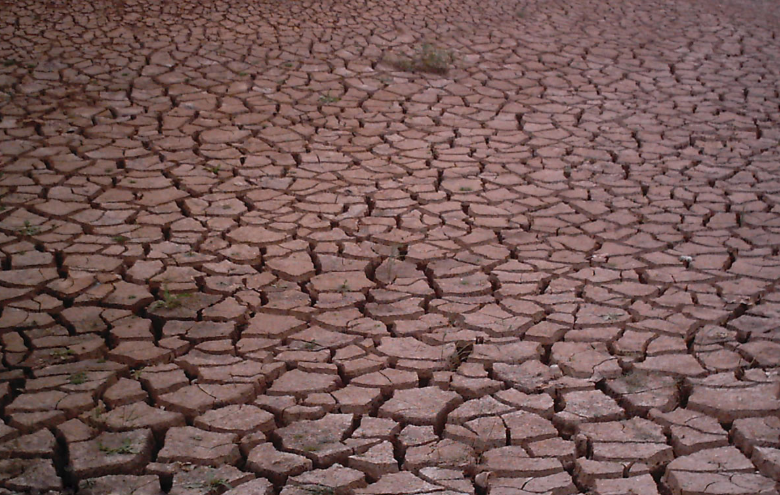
x=376, y=248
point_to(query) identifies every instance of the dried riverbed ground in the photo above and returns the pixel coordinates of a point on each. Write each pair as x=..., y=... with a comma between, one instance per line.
x=430, y=247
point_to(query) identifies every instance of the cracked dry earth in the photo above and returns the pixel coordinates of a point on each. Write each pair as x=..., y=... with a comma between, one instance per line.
x=253, y=247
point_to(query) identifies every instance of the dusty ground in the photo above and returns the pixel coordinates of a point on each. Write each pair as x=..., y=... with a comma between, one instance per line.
x=253, y=245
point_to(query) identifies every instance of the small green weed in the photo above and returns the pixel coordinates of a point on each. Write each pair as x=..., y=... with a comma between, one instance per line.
x=170, y=300
x=120, y=239
x=214, y=169
x=125, y=448
x=328, y=99
x=29, y=229
x=98, y=412
x=78, y=378
x=62, y=353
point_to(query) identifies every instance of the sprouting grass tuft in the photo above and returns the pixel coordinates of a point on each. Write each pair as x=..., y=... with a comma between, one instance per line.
x=170, y=300
x=28, y=229
x=428, y=58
